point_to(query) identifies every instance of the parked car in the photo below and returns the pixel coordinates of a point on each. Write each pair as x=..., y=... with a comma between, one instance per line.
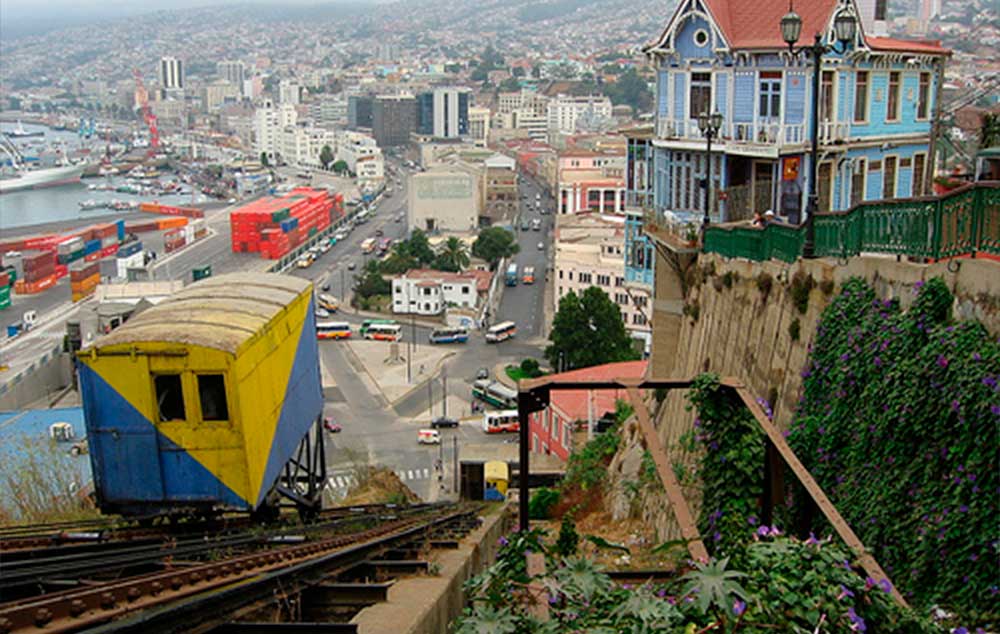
x=441, y=422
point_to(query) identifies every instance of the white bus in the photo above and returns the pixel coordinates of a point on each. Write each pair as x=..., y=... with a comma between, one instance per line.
x=333, y=330
x=384, y=332
x=501, y=332
x=501, y=421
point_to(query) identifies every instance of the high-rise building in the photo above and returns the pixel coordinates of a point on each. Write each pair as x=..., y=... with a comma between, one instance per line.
x=232, y=71
x=394, y=119
x=289, y=92
x=171, y=73
x=359, y=111
x=443, y=113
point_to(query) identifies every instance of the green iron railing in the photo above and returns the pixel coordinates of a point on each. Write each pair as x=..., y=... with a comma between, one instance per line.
x=965, y=221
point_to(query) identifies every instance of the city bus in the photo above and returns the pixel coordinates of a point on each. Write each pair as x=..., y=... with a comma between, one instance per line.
x=368, y=323
x=333, y=330
x=384, y=332
x=449, y=335
x=501, y=332
x=500, y=421
x=511, y=277
x=496, y=394
x=368, y=245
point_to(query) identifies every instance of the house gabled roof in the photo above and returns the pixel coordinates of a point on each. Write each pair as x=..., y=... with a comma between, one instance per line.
x=757, y=25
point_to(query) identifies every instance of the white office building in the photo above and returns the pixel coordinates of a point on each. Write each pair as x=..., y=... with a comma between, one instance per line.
x=429, y=292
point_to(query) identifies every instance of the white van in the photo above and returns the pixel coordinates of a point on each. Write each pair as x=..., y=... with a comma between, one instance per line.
x=428, y=437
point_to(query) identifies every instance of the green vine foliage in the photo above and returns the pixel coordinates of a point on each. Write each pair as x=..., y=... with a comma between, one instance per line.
x=899, y=422
x=787, y=586
x=730, y=466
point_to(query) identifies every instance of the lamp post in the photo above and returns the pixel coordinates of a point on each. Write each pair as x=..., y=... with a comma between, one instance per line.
x=845, y=27
x=709, y=124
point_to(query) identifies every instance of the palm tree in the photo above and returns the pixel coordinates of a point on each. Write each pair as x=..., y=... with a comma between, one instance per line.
x=455, y=253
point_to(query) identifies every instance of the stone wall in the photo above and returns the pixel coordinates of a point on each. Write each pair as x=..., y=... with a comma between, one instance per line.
x=730, y=326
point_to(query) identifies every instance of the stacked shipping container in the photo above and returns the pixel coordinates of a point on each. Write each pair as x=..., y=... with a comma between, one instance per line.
x=83, y=279
x=275, y=226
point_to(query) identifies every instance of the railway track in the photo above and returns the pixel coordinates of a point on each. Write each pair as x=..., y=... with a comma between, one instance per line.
x=161, y=586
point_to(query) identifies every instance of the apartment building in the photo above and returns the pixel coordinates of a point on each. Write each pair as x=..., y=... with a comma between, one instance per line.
x=589, y=251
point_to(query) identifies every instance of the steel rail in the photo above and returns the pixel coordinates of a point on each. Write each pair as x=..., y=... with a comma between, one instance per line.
x=73, y=610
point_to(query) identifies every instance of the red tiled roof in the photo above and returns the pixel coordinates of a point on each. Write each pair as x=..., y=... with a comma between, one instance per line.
x=758, y=24
x=906, y=46
x=573, y=403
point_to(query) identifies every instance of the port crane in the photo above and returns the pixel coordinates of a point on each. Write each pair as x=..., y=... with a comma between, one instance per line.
x=142, y=95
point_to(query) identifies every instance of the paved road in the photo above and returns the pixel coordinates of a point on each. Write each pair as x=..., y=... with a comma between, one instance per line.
x=523, y=303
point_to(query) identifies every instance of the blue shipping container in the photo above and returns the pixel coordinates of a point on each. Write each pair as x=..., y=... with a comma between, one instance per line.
x=91, y=246
x=129, y=248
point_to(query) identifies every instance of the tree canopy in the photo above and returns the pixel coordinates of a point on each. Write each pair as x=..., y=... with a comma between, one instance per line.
x=326, y=156
x=493, y=244
x=588, y=330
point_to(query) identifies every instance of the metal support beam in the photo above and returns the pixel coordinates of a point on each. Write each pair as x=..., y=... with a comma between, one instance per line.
x=239, y=627
x=815, y=491
x=689, y=529
x=346, y=594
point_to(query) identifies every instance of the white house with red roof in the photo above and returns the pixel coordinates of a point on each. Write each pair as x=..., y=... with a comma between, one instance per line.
x=551, y=429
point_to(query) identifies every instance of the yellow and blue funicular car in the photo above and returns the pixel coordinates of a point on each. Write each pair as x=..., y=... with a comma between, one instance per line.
x=209, y=401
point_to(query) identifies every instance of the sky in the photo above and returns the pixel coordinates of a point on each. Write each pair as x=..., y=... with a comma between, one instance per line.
x=27, y=17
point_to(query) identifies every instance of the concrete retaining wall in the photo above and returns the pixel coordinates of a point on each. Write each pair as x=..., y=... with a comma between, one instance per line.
x=426, y=605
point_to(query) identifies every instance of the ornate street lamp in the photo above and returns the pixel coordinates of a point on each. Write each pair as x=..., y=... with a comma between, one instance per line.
x=845, y=27
x=709, y=125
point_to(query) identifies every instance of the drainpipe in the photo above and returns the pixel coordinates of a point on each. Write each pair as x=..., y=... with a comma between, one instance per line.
x=931, y=165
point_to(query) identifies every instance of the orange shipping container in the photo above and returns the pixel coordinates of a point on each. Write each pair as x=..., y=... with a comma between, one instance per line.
x=30, y=288
x=86, y=284
x=172, y=223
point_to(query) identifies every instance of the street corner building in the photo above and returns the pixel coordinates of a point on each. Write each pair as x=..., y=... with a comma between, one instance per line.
x=198, y=403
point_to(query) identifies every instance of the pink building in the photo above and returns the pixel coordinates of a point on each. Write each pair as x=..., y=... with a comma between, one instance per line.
x=551, y=429
x=591, y=181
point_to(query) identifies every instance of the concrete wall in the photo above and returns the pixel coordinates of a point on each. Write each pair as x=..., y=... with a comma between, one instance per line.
x=427, y=604
x=52, y=372
x=742, y=333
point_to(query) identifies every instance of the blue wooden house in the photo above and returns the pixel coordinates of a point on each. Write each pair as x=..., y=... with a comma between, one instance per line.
x=876, y=106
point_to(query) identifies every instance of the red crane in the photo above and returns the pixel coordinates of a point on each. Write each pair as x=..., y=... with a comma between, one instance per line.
x=147, y=114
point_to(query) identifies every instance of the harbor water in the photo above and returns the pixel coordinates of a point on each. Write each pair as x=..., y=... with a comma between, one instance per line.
x=62, y=203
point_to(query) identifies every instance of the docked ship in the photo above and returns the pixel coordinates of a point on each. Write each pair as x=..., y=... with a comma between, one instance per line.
x=20, y=133
x=15, y=175
x=42, y=177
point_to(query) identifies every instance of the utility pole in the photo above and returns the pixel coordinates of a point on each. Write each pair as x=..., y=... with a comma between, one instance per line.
x=444, y=391
x=454, y=444
x=430, y=396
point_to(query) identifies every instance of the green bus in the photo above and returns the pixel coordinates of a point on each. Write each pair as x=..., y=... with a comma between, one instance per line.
x=376, y=322
x=494, y=393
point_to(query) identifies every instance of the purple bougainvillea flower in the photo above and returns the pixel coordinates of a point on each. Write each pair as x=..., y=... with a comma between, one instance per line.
x=739, y=607
x=857, y=623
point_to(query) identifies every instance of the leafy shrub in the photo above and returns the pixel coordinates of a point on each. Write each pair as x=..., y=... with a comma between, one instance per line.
x=541, y=503
x=802, y=284
x=900, y=424
x=529, y=368
x=764, y=284
x=568, y=539
x=730, y=465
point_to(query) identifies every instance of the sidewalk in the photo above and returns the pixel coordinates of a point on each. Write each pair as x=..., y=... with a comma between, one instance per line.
x=389, y=375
